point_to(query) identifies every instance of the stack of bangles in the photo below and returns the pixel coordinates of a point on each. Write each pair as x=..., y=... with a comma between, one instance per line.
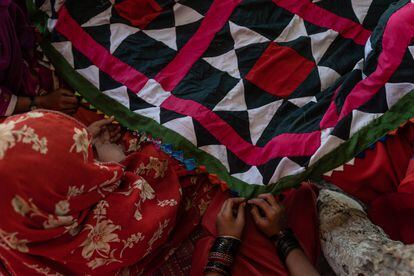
x=225, y=248
x=222, y=255
x=285, y=243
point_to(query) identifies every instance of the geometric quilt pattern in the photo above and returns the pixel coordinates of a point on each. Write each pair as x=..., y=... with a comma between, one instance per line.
x=264, y=88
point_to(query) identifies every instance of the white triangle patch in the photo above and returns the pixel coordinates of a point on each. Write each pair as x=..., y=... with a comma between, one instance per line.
x=90, y=73
x=395, y=91
x=302, y=101
x=328, y=143
x=243, y=36
x=361, y=8
x=295, y=29
x=152, y=113
x=100, y=19
x=327, y=76
x=118, y=34
x=219, y=152
x=361, y=119
x=184, y=15
x=286, y=167
x=234, y=100
x=411, y=49
x=259, y=119
x=167, y=36
x=119, y=94
x=252, y=176
x=320, y=43
x=184, y=126
x=226, y=62
x=153, y=93
x=65, y=49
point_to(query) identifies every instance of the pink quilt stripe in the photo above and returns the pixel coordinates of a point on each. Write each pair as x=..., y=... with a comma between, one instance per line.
x=286, y=144
x=216, y=17
x=97, y=54
x=398, y=34
x=324, y=18
x=330, y=118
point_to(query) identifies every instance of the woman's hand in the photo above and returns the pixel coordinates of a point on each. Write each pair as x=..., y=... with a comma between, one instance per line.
x=230, y=220
x=270, y=218
x=60, y=100
x=103, y=131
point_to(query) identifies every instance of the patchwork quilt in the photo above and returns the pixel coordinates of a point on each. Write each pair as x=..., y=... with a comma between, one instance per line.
x=263, y=93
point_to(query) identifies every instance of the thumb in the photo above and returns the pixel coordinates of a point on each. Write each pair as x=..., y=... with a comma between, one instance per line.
x=241, y=212
x=103, y=122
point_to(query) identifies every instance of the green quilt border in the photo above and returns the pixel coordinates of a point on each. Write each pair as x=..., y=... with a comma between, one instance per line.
x=395, y=117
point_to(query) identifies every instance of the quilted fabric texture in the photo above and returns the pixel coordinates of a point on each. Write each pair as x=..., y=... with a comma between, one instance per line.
x=264, y=93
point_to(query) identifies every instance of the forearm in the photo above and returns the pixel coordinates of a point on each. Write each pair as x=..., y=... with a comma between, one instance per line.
x=298, y=264
x=221, y=256
x=292, y=255
x=22, y=105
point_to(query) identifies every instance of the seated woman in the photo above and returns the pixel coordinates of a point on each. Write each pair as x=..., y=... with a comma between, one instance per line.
x=268, y=216
x=26, y=81
x=64, y=211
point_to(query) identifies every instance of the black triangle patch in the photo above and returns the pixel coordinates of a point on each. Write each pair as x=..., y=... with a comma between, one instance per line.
x=204, y=138
x=168, y=115
x=235, y=164
x=136, y=103
x=268, y=169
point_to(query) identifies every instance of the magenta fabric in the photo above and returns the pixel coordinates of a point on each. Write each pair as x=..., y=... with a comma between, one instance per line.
x=214, y=20
x=321, y=17
x=16, y=39
x=398, y=35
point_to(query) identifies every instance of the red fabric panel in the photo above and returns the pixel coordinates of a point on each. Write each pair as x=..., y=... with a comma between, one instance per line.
x=280, y=70
x=384, y=180
x=394, y=213
x=139, y=13
x=257, y=255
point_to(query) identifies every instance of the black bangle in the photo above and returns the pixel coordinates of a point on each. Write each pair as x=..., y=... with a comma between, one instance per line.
x=32, y=105
x=222, y=254
x=286, y=243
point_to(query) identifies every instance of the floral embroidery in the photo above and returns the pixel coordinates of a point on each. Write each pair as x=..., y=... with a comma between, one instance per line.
x=42, y=270
x=99, y=238
x=157, y=235
x=75, y=191
x=20, y=205
x=167, y=202
x=97, y=262
x=131, y=241
x=82, y=142
x=158, y=166
x=147, y=192
x=73, y=229
x=57, y=221
x=9, y=136
x=137, y=213
x=10, y=240
x=24, y=207
x=100, y=209
x=107, y=186
x=62, y=208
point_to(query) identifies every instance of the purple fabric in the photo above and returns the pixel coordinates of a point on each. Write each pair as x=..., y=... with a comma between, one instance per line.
x=16, y=38
x=16, y=41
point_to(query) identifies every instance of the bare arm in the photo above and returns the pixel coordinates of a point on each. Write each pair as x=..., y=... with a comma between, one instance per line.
x=270, y=221
x=298, y=264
